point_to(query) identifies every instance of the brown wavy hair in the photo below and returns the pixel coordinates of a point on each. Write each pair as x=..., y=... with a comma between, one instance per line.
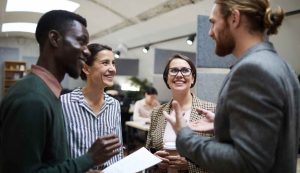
x=258, y=12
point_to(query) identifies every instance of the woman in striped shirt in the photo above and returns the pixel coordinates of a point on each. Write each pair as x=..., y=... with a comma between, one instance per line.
x=89, y=112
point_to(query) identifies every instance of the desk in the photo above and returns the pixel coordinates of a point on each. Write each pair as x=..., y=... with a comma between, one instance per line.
x=131, y=138
x=138, y=125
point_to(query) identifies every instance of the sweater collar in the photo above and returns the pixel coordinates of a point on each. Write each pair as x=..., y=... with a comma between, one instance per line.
x=48, y=78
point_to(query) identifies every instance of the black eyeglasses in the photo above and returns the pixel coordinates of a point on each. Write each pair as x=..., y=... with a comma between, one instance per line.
x=184, y=71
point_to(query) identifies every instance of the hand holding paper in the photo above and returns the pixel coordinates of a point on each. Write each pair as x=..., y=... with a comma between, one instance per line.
x=135, y=162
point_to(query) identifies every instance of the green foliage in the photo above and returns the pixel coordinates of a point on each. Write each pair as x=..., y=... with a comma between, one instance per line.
x=116, y=87
x=140, y=83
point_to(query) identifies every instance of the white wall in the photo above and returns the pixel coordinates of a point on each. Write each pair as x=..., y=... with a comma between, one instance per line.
x=30, y=48
x=27, y=47
x=287, y=42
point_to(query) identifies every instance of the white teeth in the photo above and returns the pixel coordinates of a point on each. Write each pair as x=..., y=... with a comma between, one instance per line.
x=179, y=82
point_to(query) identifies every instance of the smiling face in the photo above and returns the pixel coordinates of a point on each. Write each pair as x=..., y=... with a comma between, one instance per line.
x=103, y=70
x=179, y=82
x=73, y=49
x=220, y=32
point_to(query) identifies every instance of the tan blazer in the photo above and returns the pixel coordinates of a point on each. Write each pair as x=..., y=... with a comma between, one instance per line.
x=158, y=125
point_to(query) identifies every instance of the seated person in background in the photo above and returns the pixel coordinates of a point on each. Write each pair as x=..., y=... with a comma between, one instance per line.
x=144, y=107
x=89, y=112
x=179, y=76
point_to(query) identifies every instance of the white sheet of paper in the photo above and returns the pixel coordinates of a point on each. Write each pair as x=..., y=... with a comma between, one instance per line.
x=135, y=162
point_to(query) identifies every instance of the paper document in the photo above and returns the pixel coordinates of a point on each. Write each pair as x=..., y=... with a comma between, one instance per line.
x=135, y=162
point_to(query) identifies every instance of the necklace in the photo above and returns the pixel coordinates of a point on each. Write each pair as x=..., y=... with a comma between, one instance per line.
x=94, y=104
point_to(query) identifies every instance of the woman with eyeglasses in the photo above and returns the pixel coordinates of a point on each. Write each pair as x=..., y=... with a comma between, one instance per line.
x=179, y=76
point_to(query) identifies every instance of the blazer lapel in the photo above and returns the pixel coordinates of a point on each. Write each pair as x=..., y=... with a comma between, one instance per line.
x=162, y=125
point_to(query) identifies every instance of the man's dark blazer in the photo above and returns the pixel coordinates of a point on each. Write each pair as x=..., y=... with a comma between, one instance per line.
x=257, y=119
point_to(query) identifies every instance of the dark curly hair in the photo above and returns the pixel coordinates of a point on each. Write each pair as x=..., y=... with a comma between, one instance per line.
x=55, y=20
x=150, y=90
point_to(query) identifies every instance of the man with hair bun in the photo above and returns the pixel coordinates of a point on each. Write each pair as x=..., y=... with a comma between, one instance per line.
x=256, y=123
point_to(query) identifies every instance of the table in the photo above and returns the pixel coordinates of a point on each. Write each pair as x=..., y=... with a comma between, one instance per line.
x=138, y=125
x=130, y=126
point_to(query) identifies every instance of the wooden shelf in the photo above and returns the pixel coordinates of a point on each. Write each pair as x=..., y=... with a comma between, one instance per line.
x=12, y=72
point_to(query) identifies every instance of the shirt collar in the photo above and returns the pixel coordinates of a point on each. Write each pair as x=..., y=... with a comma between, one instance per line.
x=265, y=45
x=77, y=96
x=48, y=78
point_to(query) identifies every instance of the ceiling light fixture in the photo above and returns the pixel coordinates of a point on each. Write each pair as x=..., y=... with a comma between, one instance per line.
x=19, y=27
x=117, y=54
x=190, y=39
x=161, y=41
x=146, y=48
x=40, y=6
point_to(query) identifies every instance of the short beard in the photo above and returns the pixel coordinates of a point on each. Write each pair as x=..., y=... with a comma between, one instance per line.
x=73, y=72
x=225, y=44
x=73, y=75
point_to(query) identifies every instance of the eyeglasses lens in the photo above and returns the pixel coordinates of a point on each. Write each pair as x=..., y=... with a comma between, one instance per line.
x=184, y=71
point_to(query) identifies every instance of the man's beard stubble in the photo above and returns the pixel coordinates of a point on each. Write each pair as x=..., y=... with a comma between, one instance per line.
x=74, y=71
x=225, y=44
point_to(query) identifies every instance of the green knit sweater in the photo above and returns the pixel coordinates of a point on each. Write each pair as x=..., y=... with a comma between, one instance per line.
x=32, y=135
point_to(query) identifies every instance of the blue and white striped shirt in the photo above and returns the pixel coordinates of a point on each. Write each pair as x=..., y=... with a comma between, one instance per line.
x=83, y=126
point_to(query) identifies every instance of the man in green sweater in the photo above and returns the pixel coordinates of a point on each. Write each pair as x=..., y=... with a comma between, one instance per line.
x=32, y=136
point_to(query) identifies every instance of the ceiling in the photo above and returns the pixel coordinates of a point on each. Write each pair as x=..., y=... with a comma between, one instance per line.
x=133, y=23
